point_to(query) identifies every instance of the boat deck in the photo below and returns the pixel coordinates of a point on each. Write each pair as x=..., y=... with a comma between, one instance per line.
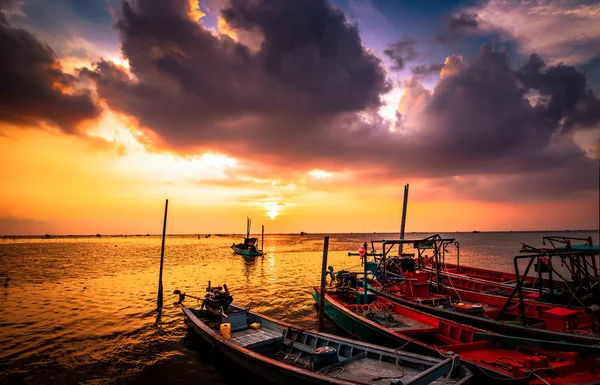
x=406, y=324
x=252, y=337
x=362, y=371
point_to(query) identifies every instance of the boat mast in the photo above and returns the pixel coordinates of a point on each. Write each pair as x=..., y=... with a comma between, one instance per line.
x=247, y=227
x=404, y=207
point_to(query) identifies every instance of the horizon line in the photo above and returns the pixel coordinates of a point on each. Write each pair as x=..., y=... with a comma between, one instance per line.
x=98, y=235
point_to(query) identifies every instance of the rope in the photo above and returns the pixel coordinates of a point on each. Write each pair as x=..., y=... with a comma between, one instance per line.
x=336, y=368
x=566, y=283
x=451, y=284
x=501, y=363
x=451, y=367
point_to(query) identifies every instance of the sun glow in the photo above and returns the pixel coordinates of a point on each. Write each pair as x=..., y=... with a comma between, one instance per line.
x=273, y=209
x=320, y=174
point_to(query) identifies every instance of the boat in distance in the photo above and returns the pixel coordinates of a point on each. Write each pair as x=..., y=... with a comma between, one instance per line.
x=248, y=247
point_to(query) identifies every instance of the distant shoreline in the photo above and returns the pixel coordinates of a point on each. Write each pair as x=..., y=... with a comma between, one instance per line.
x=203, y=235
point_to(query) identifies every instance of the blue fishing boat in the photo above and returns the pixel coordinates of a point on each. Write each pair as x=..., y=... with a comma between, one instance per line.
x=248, y=247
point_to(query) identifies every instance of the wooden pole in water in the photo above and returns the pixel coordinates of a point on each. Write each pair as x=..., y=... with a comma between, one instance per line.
x=262, y=241
x=323, y=280
x=404, y=207
x=159, y=299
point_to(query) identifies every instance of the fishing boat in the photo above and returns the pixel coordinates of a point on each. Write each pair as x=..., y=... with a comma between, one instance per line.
x=248, y=247
x=577, y=260
x=491, y=356
x=424, y=291
x=286, y=354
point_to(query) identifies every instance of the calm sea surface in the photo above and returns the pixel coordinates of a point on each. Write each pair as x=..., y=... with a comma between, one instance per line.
x=82, y=310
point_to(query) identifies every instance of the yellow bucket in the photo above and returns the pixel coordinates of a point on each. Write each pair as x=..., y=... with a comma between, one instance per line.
x=226, y=330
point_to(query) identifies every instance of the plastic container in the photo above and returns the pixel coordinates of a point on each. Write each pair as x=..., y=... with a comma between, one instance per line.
x=560, y=319
x=226, y=330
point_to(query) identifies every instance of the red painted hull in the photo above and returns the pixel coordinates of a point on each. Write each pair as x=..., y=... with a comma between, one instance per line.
x=470, y=286
x=490, y=358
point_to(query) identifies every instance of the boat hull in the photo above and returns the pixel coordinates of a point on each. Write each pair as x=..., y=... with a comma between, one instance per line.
x=281, y=373
x=246, y=253
x=505, y=328
x=478, y=349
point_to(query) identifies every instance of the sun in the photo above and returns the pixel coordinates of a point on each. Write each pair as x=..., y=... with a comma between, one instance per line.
x=273, y=209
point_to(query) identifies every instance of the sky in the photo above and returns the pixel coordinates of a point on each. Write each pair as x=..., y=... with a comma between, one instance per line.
x=303, y=115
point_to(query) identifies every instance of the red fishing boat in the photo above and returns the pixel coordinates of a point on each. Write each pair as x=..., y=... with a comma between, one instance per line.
x=493, y=357
x=577, y=260
x=518, y=316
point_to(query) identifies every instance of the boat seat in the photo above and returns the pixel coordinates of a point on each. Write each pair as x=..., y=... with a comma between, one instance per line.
x=253, y=338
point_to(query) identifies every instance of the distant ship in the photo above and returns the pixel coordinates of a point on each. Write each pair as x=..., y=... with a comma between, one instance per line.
x=476, y=231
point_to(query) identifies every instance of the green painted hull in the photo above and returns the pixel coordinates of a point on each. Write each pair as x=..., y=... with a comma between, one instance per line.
x=364, y=330
x=246, y=253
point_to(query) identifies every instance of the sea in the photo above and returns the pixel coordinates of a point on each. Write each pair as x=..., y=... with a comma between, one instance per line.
x=82, y=310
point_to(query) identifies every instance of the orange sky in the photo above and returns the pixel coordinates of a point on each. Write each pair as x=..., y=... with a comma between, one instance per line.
x=58, y=184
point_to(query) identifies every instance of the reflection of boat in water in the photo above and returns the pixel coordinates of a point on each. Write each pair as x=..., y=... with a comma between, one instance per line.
x=248, y=247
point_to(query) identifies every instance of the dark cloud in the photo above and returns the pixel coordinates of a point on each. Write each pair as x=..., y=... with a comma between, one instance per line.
x=479, y=121
x=307, y=97
x=564, y=93
x=424, y=70
x=401, y=52
x=458, y=26
x=192, y=84
x=33, y=88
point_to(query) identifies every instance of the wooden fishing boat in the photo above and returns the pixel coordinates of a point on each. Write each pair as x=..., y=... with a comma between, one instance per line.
x=249, y=247
x=492, y=304
x=555, y=323
x=286, y=354
x=578, y=260
x=491, y=356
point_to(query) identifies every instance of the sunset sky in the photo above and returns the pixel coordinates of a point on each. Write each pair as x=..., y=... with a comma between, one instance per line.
x=303, y=115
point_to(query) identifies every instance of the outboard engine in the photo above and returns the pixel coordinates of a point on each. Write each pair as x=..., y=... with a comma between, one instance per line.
x=217, y=297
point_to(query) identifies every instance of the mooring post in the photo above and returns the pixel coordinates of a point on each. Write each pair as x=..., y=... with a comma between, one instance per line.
x=404, y=208
x=159, y=299
x=323, y=279
x=262, y=242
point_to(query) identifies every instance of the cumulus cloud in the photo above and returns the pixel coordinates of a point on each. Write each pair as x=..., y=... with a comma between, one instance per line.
x=34, y=87
x=565, y=31
x=307, y=98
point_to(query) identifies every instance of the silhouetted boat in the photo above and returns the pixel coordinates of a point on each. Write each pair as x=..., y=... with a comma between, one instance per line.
x=248, y=247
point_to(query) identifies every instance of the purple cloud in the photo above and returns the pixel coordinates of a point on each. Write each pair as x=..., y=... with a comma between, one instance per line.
x=34, y=88
x=307, y=98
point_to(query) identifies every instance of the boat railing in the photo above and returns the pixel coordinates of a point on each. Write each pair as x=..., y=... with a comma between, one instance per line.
x=543, y=257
